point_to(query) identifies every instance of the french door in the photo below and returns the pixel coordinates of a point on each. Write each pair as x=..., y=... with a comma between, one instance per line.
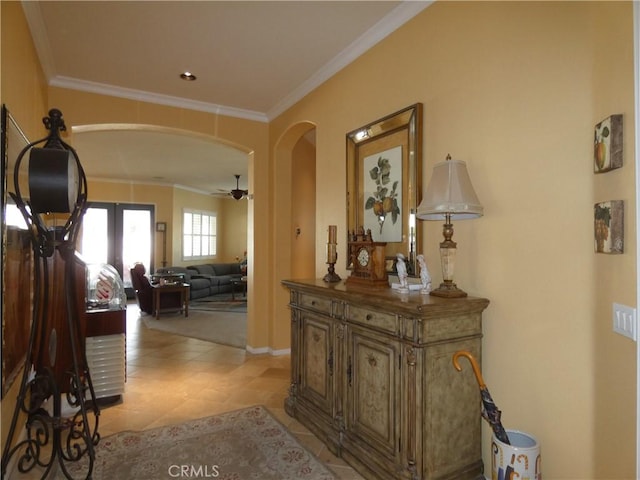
x=120, y=235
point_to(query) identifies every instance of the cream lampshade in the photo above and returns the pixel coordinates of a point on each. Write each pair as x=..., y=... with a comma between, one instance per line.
x=449, y=194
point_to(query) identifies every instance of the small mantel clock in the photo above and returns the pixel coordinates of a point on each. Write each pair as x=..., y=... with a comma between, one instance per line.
x=367, y=260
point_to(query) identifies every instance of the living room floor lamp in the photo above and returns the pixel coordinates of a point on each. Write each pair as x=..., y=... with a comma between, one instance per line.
x=449, y=194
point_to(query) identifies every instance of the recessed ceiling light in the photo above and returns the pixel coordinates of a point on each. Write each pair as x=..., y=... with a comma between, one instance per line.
x=190, y=77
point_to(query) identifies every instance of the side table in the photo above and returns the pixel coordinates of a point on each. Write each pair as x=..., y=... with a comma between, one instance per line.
x=164, y=278
x=240, y=283
x=159, y=290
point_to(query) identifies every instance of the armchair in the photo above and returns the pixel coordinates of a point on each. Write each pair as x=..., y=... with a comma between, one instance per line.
x=144, y=292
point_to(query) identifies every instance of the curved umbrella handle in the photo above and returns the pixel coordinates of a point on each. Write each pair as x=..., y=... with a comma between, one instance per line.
x=474, y=365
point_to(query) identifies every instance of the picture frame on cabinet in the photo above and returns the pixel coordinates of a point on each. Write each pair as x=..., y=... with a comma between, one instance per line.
x=390, y=264
x=607, y=144
x=384, y=174
x=609, y=227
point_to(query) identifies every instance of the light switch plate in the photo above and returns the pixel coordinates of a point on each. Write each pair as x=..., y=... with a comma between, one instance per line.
x=624, y=321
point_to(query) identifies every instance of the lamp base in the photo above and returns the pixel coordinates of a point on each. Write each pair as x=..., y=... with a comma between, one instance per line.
x=448, y=290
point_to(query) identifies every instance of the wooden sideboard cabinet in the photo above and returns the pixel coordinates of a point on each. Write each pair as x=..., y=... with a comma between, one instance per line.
x=372, y=377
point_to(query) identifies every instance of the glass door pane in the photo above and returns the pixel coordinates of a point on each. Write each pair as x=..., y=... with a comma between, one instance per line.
x=120, y=235
x=136, y=241
x=95, y=236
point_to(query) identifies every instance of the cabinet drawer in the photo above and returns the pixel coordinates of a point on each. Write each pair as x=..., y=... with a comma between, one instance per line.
x=313, y=302
x=372, y=318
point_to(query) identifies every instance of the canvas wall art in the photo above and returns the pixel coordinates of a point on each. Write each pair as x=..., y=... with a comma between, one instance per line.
x=609, y=226
x=607, y=146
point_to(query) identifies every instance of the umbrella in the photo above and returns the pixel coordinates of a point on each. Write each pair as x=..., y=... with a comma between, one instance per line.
x=490, y=411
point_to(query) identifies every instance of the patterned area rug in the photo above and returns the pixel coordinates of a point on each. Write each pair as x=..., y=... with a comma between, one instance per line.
x=247, y=444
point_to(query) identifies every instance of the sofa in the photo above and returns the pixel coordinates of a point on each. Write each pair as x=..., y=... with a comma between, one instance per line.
x=207, y=279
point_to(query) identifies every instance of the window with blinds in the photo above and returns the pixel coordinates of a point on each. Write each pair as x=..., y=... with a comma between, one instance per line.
x=198, y=235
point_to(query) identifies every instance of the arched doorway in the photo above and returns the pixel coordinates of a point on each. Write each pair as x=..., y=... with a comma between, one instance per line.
x=294, y=206
x=148, y=164
x=303, y=206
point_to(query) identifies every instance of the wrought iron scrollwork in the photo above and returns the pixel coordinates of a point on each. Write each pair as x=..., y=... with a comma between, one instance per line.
x=53, y=437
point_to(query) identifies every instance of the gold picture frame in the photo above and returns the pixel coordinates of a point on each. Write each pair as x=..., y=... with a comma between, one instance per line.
x=384, y=181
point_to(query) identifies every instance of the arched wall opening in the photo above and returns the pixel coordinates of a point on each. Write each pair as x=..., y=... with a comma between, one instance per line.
x=294, y=187
x=178, y=159
x=115, y=137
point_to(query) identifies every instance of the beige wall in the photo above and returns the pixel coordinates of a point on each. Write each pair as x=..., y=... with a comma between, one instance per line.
x=614, y=278
x=515, y=90
x=23, y=87
x=23, y=91
x=233, y=229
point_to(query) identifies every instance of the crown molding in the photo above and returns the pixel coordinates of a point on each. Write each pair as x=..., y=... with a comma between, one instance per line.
x=405, y=11
x=33, y=15
x=394, y=20
x=39, y=35
x=142, y=96
x=148, y=182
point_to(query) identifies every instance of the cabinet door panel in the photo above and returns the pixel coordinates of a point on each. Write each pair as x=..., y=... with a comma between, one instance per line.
x=452, y=426
x=316, y=372
x=373, y=409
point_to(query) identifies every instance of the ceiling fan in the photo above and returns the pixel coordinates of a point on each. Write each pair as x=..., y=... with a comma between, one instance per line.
x=236, y=193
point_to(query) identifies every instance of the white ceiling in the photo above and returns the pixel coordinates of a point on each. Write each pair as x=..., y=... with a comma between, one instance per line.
x=252, y=60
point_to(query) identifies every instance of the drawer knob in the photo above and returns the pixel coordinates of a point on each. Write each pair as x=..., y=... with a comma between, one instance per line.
x=313, y=303
x=368, y=317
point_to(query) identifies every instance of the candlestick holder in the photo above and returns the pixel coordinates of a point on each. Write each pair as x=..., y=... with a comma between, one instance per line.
x=332, y=257
x=331, y=276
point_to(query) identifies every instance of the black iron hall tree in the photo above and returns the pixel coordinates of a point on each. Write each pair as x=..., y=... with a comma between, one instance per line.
x=56, y=363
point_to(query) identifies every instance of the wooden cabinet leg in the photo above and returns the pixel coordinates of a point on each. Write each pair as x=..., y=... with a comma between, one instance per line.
x=156, y=303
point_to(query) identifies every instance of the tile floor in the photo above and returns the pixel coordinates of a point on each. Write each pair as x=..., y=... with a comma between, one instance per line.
x=172, y=378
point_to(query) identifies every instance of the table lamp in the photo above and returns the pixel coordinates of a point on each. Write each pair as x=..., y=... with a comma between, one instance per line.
x=449, y=195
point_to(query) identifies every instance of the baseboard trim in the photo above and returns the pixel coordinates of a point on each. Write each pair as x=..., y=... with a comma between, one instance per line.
x=269, y=350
